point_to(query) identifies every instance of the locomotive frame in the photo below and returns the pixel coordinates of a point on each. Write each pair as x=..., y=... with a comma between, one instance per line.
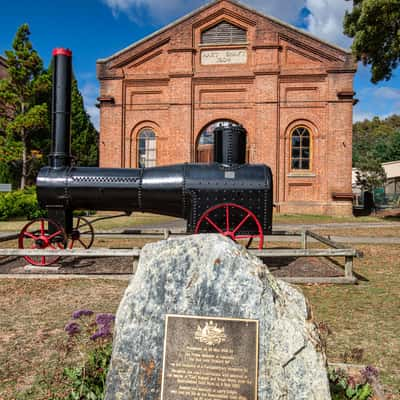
x=227, y=196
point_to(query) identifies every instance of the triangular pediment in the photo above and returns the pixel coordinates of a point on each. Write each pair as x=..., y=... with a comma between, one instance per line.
x=218, y=20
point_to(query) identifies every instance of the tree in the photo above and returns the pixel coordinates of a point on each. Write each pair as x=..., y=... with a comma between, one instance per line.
x=375, y=27
x=21, y=115
x=379, y=139
x=370, y=174
x=84, y=135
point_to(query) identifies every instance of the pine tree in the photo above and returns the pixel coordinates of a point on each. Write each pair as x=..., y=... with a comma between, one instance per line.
x=84, y=137
x=21, y=115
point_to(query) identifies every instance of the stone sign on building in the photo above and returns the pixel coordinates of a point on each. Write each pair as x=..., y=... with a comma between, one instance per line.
x=227, y=63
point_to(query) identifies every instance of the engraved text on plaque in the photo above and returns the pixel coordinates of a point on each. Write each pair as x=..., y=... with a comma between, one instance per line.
x=210, y=359
x=215, y=57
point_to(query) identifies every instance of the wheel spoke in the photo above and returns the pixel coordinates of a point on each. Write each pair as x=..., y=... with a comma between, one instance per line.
x=216, y=227
x=42, y=231
x=71, y=245
x=30, y=235
x=53, y=235
x=78, y=223
x=43, y=260
x=83, y=244
x=230, y=225
x=250, y=241
x=227, y=218
x=241, y=223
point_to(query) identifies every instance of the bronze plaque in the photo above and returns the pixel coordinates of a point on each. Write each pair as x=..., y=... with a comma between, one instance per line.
x=209, y=358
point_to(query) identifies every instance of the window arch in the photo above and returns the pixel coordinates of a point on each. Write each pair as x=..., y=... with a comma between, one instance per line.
x=146, y=148
x=205, y=141
x=300, y=151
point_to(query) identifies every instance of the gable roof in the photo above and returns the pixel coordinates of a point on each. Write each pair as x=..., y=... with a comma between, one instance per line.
x=210, y=4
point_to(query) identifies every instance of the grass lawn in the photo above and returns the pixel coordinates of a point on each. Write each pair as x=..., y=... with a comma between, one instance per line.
x=137, y=219
x=133, y=220
x=364, y=317
x=393, y=232
x=323, y=219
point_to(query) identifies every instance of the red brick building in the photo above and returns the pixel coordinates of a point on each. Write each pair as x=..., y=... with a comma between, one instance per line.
x=225, y=62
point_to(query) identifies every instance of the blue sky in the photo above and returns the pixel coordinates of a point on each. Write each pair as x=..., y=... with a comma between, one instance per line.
x=98, y=28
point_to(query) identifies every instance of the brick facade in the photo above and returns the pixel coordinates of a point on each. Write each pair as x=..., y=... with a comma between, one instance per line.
x=284, y=79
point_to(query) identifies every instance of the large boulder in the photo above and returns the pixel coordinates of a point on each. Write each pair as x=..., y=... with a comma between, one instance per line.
x=209, y=275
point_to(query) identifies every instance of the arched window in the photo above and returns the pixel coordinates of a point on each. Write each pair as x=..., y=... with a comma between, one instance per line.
x=146, y=148
x=205, y=142
x=301, y=149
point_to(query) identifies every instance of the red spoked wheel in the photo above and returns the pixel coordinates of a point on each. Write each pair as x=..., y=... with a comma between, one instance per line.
x=82, y=235
x=42, y=233
x=232, y=220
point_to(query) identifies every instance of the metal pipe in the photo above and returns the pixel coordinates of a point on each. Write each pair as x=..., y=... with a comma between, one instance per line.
x=60, y=155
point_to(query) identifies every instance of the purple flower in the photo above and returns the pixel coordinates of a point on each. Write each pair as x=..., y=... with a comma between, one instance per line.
x=370, y=373
x=102, y=332
x=72, y=328
x=105, y=319
x=79, y=313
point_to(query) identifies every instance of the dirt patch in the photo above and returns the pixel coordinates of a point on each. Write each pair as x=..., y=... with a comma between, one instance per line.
x=279, y=266
x=303, y=267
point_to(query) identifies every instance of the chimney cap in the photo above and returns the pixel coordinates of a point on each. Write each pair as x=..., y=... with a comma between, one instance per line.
x=61, y=51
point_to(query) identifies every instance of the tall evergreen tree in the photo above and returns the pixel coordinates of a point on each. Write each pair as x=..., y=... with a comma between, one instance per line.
x=84, y=143
x=22, y=114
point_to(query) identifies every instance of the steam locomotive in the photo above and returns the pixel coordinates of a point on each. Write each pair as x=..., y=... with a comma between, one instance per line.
x=228, y=196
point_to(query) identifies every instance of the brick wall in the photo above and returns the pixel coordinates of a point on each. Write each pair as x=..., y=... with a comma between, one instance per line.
x=286, y=79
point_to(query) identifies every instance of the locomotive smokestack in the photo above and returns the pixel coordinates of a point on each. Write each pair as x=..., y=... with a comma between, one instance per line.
x=60, y=155
x=230, y=144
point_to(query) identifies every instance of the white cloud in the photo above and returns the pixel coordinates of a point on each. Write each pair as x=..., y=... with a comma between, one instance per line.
x=94, y=114
x=386, y=92
x=359, y=116
x=161, y=11
x=285, y=10
x=165, y=10
x=381, y=93
x=326, y=20
x=89, y=91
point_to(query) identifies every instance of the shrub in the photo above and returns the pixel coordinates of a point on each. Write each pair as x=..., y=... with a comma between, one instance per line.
x=20, y=203
x=345, y=387
x=88, y=381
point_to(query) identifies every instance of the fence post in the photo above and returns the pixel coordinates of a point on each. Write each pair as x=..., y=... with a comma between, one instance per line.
x=348, y=267
x=304, y=239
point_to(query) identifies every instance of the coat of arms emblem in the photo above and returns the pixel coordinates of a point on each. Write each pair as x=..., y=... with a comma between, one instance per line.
x=210, y=334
